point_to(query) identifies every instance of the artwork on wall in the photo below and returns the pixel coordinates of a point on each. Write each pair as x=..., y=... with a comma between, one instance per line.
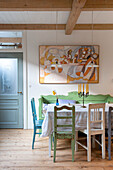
x=69, y=64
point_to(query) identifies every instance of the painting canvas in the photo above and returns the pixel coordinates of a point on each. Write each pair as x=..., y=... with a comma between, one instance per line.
x=69, y=64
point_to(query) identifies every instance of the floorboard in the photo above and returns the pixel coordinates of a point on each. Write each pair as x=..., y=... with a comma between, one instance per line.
x=16, y=153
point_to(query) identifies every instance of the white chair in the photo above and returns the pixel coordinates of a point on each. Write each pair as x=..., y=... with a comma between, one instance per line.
x=95, y=116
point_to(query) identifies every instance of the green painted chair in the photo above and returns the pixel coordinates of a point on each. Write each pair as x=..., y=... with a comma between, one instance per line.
x=37, y=123
x=64, y=134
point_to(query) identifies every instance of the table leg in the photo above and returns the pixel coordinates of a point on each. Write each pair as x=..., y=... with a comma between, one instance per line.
x=93, y=141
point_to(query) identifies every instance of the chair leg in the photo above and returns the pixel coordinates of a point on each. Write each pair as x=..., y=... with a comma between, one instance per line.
x=54, y=148
x=50, y=145
x=109, y=135
x=51, y=140
x=109, y=146
x=73, y=148
x=103, y=146
x=93, y=141
x=76, y=138
x=33, y=138
x=89, y=147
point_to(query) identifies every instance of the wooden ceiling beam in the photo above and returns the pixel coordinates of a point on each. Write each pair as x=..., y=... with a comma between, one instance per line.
x=35, y=5
x=32, y=26
x=98, y=5
x=53, y=27
x=74, y=15
x=53, y=5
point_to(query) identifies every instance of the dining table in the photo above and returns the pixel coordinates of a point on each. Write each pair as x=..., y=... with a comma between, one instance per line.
x=80, y=119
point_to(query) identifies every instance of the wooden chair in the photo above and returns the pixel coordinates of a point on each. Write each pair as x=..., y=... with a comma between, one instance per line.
x=96, y=115
x=37, y=123
x=64, y=134
x=110, y=130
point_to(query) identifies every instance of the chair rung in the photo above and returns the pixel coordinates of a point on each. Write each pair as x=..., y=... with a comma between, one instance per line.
x=96, y=121
x=64, y=132
x=96, y=132
x=64, y=117
x=64, y=125
x=98, y=142
x=64, y=136
x=38, y=127
x=82, y=145
x=38, y=133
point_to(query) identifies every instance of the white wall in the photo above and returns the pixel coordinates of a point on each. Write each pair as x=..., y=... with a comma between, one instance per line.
x=36, y=38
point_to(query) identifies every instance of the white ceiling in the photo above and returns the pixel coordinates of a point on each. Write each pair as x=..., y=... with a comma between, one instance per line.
x=49, y=17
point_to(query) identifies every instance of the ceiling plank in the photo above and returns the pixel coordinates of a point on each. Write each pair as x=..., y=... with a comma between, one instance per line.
x=74, y=15
x=54, y=26
x=53, y=5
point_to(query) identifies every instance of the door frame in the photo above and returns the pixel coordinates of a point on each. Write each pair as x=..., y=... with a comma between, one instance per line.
x=25, y=76
x=25, y=91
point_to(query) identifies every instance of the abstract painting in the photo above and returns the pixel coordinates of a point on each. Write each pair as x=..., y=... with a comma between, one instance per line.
x=69, y=64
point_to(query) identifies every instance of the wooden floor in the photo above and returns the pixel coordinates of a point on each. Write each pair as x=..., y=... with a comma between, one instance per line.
x=16, y=153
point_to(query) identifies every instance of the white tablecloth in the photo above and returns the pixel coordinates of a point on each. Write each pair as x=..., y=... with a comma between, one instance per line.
x=80, y=118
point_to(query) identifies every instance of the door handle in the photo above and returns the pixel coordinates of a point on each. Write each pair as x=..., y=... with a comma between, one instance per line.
x=19, y=92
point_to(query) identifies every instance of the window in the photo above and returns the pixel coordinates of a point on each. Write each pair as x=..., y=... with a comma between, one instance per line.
x=10, y=40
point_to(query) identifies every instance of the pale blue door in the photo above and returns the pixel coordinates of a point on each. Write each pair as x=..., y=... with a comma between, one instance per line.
x=11, y=90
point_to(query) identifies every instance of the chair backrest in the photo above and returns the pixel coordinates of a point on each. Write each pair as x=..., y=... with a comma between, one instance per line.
x=71, y=115
x=33, y=110
x=96, y=115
